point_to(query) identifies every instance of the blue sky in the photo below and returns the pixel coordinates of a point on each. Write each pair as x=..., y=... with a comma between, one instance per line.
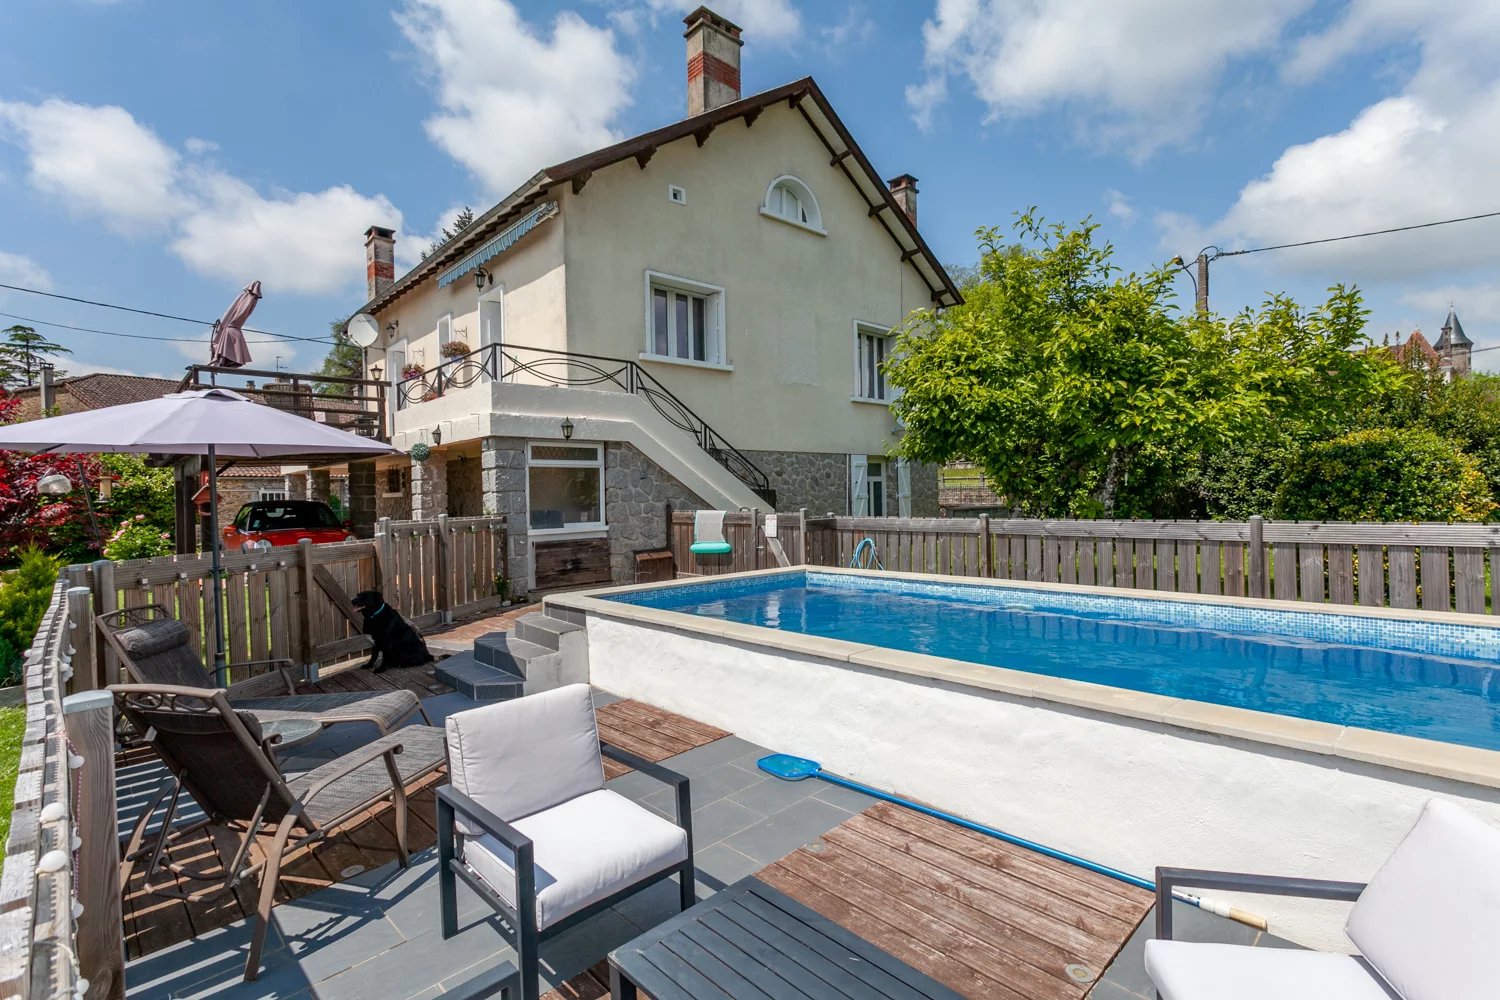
x=163, y=153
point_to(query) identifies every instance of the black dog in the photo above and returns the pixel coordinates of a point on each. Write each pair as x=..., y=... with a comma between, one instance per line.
x=397, y=643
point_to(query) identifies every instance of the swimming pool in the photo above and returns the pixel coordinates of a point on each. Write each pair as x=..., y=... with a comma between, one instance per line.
x=1409, y=677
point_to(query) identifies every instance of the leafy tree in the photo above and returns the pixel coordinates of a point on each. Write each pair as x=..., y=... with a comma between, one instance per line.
x=1080, y=390
x=345, y=359
x=139, y=491
x=23, y=352
x=1466, y=413
x=1385, y=474
x=26, y=517
x=463, y=220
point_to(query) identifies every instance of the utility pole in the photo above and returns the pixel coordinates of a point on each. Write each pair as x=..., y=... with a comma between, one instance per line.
x=1203, y=283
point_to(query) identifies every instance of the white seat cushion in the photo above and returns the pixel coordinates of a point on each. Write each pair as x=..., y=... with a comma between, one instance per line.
x=1429, y=919
x=520, y=757
x=1184, y=970
x=584, y=850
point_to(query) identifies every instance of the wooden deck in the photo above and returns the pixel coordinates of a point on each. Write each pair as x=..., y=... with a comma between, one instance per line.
x=984, y=918
x=153, y=922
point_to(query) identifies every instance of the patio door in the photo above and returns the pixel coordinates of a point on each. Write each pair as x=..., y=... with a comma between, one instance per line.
x=491, y=325
x=395, y=360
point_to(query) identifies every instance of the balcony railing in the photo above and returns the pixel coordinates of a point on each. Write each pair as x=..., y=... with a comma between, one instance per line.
x=357, y=405
x=543, y=366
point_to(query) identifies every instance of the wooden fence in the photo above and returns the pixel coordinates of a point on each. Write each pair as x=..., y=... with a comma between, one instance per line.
x=745, y=530
x=292, y=602
x=1435, y=567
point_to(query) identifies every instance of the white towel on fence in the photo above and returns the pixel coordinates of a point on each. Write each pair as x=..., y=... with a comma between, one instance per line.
x=708, y=526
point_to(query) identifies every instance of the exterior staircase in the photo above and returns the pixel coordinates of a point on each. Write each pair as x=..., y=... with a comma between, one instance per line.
x=539, y=654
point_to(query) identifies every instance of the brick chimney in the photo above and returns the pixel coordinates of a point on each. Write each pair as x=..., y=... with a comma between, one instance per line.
x=713, y=61
x=380, y=260
x=904, y=188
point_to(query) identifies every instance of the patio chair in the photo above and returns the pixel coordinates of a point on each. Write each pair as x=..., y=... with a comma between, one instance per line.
x=1424, y=925
x=155, y=648
x=221, y=758
x=527, y=822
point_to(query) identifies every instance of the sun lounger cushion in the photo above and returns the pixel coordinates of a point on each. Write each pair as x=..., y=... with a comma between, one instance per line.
x=150, y=638
x=520, y=757
x=1428, y=919
x=586, y=849
x=1184, y=970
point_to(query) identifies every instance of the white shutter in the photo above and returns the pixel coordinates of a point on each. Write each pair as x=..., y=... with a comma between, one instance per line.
x=445, y=329
x=859, y=486
x=903, y=488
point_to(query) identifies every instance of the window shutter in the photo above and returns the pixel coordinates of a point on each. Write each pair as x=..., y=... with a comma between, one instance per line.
x=859, y=486
x=903, y=488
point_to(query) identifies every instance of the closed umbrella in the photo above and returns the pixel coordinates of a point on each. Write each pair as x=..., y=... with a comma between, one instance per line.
x=229, y=349
x=210, y=422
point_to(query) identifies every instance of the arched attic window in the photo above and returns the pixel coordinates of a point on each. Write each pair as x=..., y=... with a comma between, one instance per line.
x=790, y=200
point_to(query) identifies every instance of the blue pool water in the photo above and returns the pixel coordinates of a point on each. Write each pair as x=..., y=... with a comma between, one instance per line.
x=1436, y=681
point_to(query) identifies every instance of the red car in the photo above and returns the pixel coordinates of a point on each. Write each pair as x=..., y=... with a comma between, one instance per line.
x=265, y=523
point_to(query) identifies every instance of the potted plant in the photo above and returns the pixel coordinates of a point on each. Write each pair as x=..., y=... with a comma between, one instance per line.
x=454, y=349
x=411, y=370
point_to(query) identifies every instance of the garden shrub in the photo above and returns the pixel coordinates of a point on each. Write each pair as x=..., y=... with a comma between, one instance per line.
x=24, y=595
x=1384, y=474
x=137, y=538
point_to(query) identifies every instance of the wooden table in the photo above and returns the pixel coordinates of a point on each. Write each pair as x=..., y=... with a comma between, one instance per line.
x=753, y=941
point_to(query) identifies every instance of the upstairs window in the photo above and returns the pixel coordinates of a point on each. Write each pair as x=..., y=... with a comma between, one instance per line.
x=685, y=320
x=790, y=200
x=872, y=346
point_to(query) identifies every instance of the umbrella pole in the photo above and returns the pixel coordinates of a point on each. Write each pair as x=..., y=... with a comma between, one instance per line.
x=217, y=571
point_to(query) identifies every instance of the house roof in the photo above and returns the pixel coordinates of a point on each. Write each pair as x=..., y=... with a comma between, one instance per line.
x=93, y=392
x=803, y=95
x=1416, y=344
x=1453, y=334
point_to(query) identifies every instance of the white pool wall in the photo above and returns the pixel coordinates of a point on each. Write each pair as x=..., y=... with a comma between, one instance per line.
x=1128, y=779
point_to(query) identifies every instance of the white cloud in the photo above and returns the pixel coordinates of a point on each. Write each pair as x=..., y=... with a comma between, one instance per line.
x=1139, y=74
x=1117, y=205
x=1421, y=155
x=513, y=100
x=774, y=21
x=18, y=269
x=200, y=147
x=100, y=161
x=853, y=32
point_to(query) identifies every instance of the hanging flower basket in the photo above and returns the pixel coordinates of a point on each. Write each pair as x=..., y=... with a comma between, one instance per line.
x=410, y=371
x=454, y=349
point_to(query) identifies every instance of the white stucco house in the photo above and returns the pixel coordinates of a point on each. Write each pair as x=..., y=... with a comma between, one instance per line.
x=695, y=316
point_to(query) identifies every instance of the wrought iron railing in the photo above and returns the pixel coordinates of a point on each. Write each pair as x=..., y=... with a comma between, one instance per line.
x=544, y=366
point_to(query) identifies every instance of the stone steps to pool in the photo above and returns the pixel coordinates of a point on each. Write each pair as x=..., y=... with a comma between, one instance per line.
x=539, y=654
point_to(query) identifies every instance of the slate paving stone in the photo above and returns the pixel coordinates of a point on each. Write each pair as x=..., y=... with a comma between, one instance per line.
x=720, y=865
x=771, y=795
x=778, y=835
x=721, y=819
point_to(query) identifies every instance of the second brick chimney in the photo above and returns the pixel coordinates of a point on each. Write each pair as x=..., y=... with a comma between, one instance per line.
x=713, y=61
x=904, y=188
x=380, y=260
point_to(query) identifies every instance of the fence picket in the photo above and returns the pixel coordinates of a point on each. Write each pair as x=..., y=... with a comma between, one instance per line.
x=1310, y=567
x=1341, y=574
x=1468, y=580
x=1403, y=560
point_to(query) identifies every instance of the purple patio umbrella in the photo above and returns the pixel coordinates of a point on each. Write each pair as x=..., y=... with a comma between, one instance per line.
x=209, y=422
x=229, y=350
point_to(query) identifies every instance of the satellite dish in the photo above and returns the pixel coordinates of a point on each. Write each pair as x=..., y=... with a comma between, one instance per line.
x=363, y=330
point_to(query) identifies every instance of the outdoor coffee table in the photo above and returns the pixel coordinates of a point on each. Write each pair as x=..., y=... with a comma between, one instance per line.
x=754, y=941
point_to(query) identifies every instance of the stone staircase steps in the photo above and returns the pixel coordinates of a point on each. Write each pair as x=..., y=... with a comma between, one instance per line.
x=541, y=653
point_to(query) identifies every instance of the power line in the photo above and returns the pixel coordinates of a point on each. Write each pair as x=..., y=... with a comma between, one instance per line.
x=158, y=315
x=115, y=333
x=1355, y=236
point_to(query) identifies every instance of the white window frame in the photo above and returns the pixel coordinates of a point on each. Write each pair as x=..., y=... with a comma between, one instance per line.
x=266, y=493
x=871, y=480
x=444, y=331
x=592, y=527
x=677, y=194
x=862, y=329
x=715, y=345
x=799, y=187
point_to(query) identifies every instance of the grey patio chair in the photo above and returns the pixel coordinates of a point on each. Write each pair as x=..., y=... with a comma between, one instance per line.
x=155, y=648
x=1425, y=926
x=223, y=760
x=527, y=823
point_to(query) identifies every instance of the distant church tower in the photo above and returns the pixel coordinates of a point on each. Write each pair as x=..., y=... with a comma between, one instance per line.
x=1454, y=346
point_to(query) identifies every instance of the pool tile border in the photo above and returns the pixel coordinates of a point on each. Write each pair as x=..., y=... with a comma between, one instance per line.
x=1404, y=753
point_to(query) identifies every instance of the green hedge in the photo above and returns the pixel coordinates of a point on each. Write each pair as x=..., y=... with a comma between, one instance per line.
x=1384, y=474
x=24, y=595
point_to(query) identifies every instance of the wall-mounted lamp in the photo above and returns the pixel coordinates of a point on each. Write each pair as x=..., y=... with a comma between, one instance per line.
x=481, y=278
x=376, y=371
x=393, y=326
x=437, y=435
x=567, y=428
